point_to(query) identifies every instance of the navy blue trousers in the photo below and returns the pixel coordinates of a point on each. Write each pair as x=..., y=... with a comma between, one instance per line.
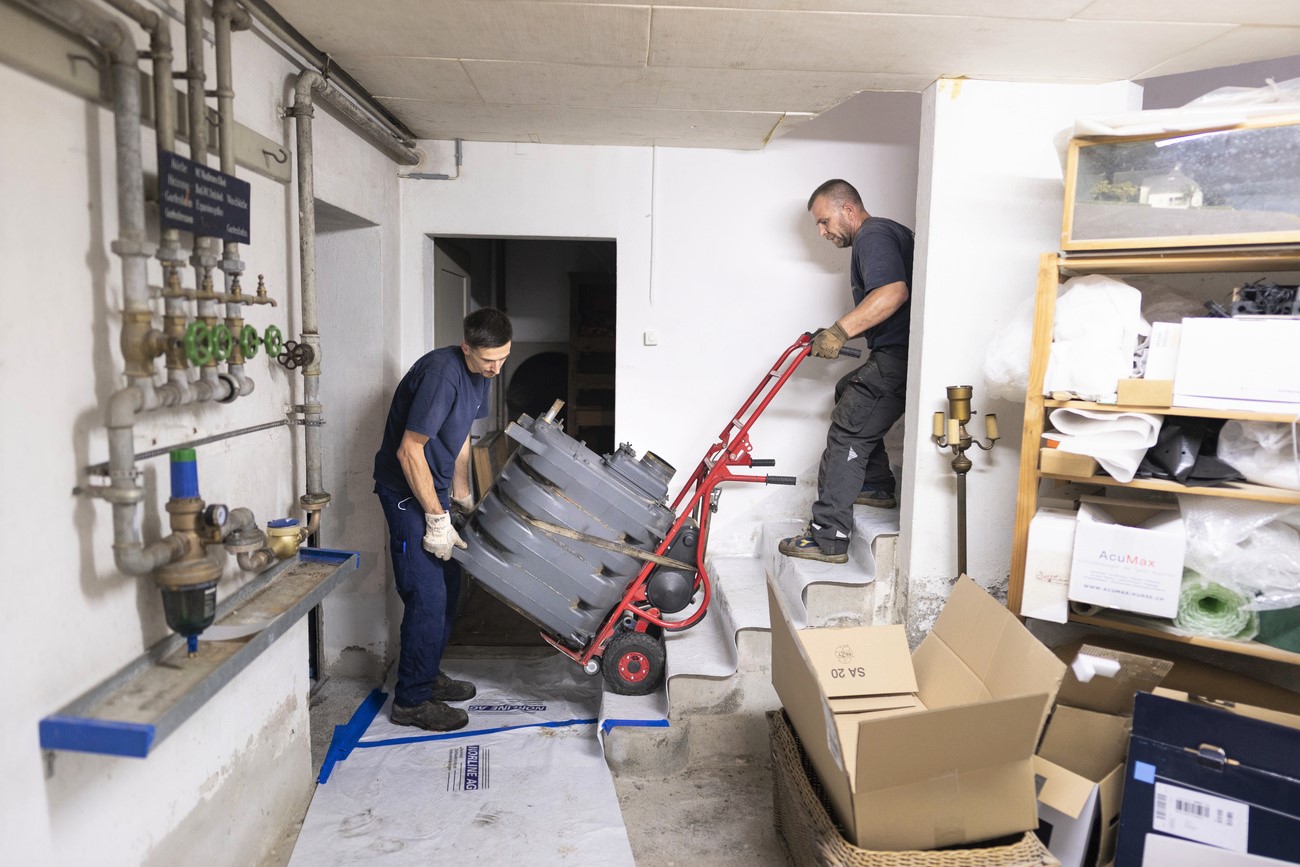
x=429, y=589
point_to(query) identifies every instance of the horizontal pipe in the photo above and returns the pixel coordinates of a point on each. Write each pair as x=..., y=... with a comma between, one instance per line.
x=312, y=81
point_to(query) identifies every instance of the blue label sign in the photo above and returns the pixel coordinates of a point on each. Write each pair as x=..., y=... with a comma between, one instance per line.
x=207, y=202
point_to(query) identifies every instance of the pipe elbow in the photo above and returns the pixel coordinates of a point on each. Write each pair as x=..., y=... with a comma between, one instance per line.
x=239, y=519
x=133, y=558
x=123, y=405
x=257, y=561
x=237, y=15
x=308, y=81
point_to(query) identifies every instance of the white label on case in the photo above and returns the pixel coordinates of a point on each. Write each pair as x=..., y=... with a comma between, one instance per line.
x=1202, y=817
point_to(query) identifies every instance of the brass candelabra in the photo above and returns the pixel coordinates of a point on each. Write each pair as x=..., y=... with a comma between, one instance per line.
x=950, y=432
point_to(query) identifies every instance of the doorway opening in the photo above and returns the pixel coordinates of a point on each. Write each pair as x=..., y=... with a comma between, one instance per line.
x=561, y=297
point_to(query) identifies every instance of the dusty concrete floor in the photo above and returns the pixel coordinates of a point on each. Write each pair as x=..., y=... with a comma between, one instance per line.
x=715, y=813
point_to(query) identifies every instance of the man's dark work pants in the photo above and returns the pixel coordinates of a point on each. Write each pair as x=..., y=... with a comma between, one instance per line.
x=867, y=403
x=429, y=589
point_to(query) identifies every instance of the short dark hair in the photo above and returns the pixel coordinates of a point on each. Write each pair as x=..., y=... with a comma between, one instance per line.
x=838, y=192
x=487, y=328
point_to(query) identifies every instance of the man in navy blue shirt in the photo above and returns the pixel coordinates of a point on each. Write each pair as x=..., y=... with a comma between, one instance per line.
x=421, y=468
x=855, y=467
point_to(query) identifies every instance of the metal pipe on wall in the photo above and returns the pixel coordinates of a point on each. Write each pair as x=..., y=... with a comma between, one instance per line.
x=210, y=386
x=177, y=389
x=310, y=85
x=228, y=16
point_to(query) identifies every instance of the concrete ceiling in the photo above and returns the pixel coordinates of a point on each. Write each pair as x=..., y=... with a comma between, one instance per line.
x=735, y=73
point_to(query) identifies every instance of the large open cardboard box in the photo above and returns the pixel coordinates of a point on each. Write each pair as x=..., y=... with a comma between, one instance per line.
x=944, y=759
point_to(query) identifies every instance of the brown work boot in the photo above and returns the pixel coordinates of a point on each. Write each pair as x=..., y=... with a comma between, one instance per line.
x=805, y=547
x=446, y=689
x=432, y=715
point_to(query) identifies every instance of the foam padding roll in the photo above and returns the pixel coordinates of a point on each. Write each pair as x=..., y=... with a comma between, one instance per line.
x=1215, y=610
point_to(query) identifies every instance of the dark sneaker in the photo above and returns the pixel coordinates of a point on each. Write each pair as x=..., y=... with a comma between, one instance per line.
x=431, y=715
x=879, y=499
x=446, y=689
x=806, y=548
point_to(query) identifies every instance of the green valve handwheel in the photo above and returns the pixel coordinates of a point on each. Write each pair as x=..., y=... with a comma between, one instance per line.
x=222, y=342
x=249, y=341
x=198, y=343
x=271, y=340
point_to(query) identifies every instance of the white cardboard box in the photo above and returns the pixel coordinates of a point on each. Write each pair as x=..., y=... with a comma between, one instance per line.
x=1128, y=556
x=1045, y=592
x=1238, y=364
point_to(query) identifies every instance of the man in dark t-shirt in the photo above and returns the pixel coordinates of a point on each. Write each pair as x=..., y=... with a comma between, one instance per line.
x=421, y=469
x=855, y=467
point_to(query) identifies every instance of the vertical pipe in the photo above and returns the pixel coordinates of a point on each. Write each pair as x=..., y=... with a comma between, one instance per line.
x=302, y=112
x=209, y=387
x=226, y=15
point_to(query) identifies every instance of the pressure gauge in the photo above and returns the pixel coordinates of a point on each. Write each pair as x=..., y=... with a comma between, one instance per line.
x=216, y=515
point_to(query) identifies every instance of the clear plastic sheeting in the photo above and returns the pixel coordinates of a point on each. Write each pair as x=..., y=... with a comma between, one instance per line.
x=1266, y=453
x=1006, y=361
x=525, y=783
x=1098, y=324
x=1251, y=545
x=1218, y=108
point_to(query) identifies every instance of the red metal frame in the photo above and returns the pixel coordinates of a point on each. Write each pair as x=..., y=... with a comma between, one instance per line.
x=732, y=449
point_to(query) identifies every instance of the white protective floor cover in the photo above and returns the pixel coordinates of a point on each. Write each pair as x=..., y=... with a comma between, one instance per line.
x=525, y=783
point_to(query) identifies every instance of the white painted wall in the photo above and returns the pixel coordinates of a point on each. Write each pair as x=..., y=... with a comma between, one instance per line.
x=716, y=252
x=222, y=787
x=989, y=205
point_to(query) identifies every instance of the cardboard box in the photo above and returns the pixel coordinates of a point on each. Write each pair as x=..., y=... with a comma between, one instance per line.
x=1221, y=775
x=950, y=762
x=1067, y=463
x=1239, y=364
x=1128, y=556
x=1080, y=763
x=1046, y=588
x=1146, y=392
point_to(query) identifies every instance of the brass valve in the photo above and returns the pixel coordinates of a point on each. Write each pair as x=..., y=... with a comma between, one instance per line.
x=262, y=297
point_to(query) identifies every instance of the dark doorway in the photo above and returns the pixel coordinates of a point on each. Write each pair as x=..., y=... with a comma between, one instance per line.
x=561, y=296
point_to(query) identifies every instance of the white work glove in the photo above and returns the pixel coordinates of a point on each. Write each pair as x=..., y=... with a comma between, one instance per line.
x=440, y=535
x=464, y=504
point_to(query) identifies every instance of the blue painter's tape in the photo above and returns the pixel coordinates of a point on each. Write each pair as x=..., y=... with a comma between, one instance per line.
x=392, y=742
x=329, y=555
x=346, y=736
x=633, y=723
x=1144, y=772
x=86, y=735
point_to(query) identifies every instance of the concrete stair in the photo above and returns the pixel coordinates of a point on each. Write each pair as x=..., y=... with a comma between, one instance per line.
x=719, y=682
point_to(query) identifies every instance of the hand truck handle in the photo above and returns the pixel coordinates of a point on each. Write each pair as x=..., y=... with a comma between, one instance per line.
x=844, y=350
x=782, y=480
x=762, y=462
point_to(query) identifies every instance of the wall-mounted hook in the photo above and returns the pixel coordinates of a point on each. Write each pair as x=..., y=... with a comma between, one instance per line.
x=280, y=155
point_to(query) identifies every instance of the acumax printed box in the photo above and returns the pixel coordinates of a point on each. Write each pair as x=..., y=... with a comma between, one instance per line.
x=1128, y=555
x=951, y=761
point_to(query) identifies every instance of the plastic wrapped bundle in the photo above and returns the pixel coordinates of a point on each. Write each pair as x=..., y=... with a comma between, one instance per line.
x=1215, y=610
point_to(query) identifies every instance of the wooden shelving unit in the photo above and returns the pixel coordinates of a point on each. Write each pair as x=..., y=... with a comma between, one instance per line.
x=1052, y=269
x=589, y=414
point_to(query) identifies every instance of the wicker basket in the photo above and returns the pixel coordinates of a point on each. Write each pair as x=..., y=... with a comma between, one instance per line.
x=804, y=823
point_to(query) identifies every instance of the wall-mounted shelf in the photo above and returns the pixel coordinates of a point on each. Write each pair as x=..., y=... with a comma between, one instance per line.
x=138, y=707
x=1147, y=626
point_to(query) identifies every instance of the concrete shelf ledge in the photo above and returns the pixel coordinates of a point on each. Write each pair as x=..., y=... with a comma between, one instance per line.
x=138, y=707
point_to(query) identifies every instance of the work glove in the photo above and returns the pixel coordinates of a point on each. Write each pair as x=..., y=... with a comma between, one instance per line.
x=828, y=342
x=440, y=535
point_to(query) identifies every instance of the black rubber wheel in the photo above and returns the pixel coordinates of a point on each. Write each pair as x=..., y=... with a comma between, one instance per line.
x=633, y=663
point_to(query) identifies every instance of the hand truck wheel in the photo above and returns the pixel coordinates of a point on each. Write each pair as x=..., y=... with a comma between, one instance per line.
x=633, y=663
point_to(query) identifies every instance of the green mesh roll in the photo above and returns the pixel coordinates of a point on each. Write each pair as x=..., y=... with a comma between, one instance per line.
x=1214, y=610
